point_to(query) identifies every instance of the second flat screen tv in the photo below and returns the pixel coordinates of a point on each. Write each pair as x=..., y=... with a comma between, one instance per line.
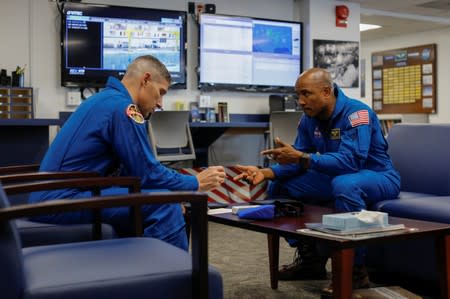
x=249, y=54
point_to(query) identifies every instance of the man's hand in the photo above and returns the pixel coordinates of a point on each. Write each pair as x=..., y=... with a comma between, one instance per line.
x=253, y=174
x=211, y=178
x=284, y=153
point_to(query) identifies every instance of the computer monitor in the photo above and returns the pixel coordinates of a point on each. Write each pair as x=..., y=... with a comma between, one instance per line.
x=98, y=41
x=249, y=54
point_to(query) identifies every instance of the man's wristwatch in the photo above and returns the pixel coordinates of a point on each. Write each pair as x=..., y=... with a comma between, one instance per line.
x=304, y=160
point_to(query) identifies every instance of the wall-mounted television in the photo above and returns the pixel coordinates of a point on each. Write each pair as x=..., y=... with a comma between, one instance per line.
x=249, y=54
x=98, y=41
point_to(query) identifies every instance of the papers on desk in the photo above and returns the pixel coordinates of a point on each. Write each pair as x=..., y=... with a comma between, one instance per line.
x=367, y=233
x=218, y=211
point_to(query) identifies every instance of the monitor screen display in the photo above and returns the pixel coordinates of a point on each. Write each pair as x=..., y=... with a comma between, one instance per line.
x=249, y=54
x=101, y=40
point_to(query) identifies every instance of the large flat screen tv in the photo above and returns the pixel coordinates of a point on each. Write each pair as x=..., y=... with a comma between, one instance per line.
x=98, y=41
x=249, y=54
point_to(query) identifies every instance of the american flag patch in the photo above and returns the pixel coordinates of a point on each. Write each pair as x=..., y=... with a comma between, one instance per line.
x=232, y=191
x=360, y=117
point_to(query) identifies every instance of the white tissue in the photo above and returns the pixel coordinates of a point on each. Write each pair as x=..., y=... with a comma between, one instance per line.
x=373, y=218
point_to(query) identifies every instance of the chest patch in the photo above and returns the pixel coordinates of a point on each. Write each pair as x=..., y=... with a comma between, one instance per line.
x=132, y=112
x=335, y=134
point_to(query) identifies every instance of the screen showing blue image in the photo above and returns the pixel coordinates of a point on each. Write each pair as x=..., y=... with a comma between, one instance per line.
x=272, y=39
x=99, y=41
x=249, y=54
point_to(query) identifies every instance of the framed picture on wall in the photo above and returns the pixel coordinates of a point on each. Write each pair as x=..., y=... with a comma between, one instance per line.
x=340, y=58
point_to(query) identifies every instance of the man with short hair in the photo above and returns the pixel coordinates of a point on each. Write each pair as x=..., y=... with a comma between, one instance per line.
x=340, y=155
x=107, y=134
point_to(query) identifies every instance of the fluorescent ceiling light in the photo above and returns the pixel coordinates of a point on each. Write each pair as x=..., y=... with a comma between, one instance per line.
x=364, y=27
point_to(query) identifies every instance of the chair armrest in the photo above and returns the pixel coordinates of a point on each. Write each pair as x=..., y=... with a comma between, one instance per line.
x=91, y=183
x=199, y=222
x=19, y=168
x=36, y=176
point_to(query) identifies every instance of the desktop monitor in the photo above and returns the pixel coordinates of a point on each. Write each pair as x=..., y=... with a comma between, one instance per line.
x=98, y=41
x=249, y=54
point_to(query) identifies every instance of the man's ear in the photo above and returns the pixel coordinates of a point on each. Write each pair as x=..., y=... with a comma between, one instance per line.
x=327, y=91
x=147, y=77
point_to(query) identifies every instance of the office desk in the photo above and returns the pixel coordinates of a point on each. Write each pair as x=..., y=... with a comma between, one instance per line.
x=24, y=141
x=204, y=134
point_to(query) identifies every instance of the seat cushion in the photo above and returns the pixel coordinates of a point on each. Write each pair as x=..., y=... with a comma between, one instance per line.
x=432, y=208
x=118, y=268
x=403, y=195
x=36, y=233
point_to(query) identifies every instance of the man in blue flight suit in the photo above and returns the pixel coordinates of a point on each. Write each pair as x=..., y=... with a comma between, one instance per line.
x=340, y=155
x=108, y=132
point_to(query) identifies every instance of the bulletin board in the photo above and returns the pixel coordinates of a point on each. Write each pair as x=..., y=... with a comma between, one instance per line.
x=404, y=80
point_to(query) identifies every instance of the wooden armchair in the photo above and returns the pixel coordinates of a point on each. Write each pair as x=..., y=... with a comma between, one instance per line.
x=35, y=233
x=118, y=268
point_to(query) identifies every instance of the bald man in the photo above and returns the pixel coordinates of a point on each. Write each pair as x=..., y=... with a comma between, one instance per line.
x=339, y=155
x=107, y=134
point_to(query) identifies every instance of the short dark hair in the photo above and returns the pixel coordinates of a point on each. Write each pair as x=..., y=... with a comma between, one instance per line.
x=148, y=63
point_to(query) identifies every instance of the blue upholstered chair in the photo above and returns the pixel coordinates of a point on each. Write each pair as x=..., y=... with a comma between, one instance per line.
x=34, y=233
x=117, y=268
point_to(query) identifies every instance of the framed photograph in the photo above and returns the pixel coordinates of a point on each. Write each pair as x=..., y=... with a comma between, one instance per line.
x=340, y=58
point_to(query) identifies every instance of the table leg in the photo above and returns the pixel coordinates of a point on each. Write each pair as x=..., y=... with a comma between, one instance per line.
x=273, y=242
x=342, y=272
x=443, y=264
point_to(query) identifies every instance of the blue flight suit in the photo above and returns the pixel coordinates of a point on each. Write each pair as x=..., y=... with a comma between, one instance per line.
x=101, y=136
x=349, y=162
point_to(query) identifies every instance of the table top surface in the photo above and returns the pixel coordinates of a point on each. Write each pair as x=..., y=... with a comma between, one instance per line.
x=288, y=226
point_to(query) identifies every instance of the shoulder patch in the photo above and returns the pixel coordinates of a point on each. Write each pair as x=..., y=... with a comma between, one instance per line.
x=358, y=118
x=132, y=112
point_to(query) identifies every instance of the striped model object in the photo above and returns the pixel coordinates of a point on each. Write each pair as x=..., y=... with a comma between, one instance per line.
x=232, y=191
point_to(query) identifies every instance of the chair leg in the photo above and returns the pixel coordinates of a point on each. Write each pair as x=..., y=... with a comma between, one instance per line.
x=187, y=220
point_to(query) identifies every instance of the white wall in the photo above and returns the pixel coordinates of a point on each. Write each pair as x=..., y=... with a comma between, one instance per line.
x=30, y=35
x=320, y=17
x=439, y=37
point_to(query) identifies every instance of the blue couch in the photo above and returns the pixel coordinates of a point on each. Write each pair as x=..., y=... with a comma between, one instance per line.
x=421, y=153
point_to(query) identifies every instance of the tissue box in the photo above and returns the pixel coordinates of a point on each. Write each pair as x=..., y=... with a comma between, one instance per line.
x=232, y=191
x=350, y=221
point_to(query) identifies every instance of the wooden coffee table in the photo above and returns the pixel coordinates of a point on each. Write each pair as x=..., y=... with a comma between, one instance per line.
x=342, y=249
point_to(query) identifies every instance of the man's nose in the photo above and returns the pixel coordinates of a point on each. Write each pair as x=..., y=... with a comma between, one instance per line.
x=159, y=102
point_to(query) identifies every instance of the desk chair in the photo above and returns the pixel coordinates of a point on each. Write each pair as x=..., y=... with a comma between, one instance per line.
x=170, y=136
x=283, y=124
x=118, y=268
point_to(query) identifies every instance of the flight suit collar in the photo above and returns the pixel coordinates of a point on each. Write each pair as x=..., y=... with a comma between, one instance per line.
x=340, y=101
x=114, y=83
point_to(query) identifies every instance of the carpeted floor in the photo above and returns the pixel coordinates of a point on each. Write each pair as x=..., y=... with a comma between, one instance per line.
x=242, y=258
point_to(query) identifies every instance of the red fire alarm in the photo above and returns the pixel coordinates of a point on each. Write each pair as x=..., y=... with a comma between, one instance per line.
x=342, y=13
